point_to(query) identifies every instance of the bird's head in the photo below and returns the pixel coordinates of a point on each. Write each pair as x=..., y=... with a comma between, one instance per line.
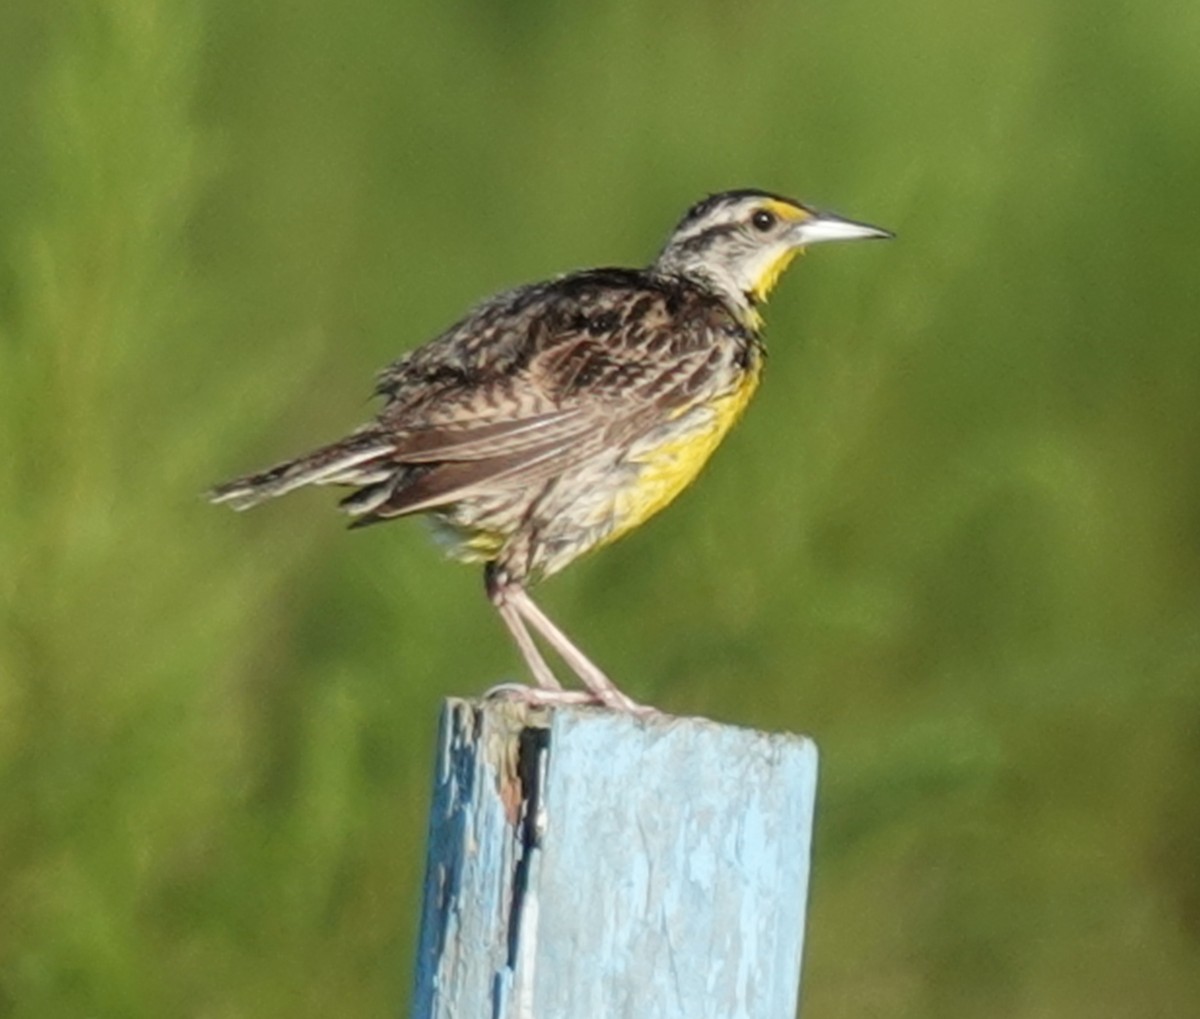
x=737, y=243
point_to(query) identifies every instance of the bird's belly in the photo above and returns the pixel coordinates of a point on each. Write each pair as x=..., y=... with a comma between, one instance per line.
x=537, y=531
x=667, y=467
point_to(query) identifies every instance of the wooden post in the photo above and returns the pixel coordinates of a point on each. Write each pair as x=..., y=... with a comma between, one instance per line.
x=587, y=864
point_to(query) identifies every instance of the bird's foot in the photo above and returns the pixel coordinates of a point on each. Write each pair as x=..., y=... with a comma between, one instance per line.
x=539, y=696
x=612, y=699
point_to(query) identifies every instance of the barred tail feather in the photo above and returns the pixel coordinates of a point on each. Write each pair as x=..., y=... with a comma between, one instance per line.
x=345, y=462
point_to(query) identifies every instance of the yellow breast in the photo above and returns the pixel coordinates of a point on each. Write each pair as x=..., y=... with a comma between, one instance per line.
x=667, y=469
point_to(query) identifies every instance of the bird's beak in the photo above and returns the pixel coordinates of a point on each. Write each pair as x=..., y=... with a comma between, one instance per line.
x=824, y=226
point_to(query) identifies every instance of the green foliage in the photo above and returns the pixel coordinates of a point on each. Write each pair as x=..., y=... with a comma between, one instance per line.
x=956, y=538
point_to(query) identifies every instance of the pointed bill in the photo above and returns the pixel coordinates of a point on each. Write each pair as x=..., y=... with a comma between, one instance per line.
x=825, y=226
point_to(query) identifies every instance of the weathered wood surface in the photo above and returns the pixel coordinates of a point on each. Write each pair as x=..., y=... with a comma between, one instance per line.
x=586, y=863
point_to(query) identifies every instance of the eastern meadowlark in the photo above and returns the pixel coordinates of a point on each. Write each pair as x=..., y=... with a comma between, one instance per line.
x=558, y=416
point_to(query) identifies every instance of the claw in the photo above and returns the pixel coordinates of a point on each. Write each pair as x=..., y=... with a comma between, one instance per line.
x=538, y=696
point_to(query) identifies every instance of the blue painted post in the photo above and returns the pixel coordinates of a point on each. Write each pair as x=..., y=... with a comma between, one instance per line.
x=586, y=863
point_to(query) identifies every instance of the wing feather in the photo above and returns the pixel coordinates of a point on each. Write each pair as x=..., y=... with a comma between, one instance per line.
x=483, y=437
x=534, y=382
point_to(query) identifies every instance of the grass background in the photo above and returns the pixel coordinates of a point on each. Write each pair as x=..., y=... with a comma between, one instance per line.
x=957, y=538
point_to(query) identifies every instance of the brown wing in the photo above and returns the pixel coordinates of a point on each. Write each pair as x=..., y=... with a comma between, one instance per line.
x=538, y=380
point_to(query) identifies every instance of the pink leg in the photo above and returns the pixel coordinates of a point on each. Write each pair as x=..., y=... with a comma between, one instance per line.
x=549, y=690
x=542, y=672
x=592, y=677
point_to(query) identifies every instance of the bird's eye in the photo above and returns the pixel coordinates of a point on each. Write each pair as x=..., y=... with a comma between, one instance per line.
x=763, y=220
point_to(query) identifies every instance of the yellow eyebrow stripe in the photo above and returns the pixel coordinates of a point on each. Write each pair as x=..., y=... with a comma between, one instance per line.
x=786, y=210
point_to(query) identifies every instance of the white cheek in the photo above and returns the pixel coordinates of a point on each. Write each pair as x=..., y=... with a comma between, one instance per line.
x=754, y=268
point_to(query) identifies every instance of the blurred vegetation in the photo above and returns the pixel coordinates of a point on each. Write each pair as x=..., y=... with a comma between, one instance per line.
x=957, y=539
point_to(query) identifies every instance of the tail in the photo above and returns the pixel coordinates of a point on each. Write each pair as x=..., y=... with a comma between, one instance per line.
x=351, y=461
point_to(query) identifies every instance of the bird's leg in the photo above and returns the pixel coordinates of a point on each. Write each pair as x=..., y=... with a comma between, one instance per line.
x=604, y=689
x=549, y=690
x=499, y=591
x=533, y=657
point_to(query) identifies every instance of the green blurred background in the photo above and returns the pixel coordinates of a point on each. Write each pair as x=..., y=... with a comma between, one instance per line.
x=957, y=538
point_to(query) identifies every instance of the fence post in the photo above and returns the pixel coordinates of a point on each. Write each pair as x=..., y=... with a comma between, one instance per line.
x=587, y=864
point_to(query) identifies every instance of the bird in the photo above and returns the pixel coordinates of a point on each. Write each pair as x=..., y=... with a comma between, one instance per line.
x=557, y=416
